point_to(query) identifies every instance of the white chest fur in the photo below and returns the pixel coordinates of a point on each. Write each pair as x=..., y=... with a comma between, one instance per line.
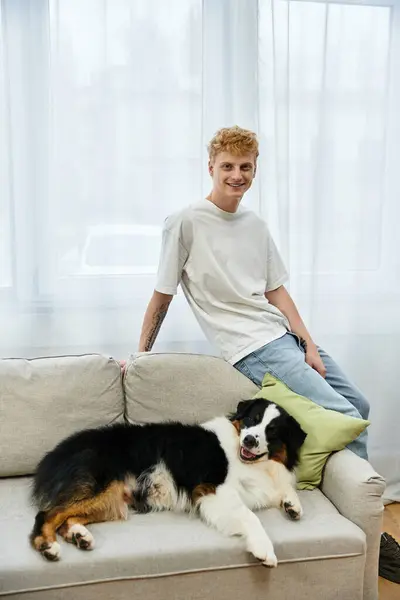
x=259, y=484
x=248, y=486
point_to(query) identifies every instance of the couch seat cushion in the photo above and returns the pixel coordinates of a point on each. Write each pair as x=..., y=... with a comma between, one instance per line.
x=160, y=544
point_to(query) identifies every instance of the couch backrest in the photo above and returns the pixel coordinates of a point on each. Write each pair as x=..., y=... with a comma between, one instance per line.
x=42, y=400
x=185, y=387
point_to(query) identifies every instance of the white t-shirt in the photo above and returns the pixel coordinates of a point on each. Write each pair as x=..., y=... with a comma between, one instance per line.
x=224, y=262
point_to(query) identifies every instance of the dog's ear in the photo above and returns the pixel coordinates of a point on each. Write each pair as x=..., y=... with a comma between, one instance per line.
x=242, y=408
x=294, y=438
x=296, y=434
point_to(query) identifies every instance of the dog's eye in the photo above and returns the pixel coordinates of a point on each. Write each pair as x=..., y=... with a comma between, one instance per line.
x=251, y=421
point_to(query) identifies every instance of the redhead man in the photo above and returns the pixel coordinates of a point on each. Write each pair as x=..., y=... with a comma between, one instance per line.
x=233, y=277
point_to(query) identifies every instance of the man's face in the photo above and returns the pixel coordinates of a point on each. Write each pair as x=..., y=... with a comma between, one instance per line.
x=232, y=175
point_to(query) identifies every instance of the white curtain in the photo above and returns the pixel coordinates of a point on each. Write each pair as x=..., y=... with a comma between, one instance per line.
x=106, y=107
x=329, y=92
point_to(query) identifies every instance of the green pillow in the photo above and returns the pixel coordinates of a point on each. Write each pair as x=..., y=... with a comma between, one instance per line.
x=327, y=430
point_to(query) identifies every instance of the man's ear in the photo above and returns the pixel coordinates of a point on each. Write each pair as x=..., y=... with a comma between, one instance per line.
x=242, y=408
x=210, y=168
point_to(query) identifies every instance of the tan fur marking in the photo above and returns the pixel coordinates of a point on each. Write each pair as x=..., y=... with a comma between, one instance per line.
x=37, y=542
x=66, y=526
x=280, y=456
x=204, y=489
x=236, y=425
x=107, y=506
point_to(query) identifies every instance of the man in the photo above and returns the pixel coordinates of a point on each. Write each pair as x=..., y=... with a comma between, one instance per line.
x=233, y=278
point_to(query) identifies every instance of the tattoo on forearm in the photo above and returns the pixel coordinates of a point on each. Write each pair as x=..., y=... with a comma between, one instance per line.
x=155, y=326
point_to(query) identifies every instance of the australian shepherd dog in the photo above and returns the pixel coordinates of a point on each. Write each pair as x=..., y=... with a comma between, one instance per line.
x=222, y=470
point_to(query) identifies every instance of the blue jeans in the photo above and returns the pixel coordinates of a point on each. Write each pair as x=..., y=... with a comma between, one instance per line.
x=284, y=359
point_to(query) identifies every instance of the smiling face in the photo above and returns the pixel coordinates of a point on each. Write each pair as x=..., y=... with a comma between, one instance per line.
x=232, y=175
x=267, y=431
x=254, y=442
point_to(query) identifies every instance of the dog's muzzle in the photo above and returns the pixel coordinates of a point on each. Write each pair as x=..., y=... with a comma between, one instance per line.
x=248, y=447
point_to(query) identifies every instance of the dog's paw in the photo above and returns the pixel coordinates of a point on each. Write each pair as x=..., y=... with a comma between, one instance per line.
x=50, y=550
x=270, y=560
x=262, y=548
x=293, y=510
x=81, y=537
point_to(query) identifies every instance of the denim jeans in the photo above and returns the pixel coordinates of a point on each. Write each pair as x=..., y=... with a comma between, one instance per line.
x=284, y=359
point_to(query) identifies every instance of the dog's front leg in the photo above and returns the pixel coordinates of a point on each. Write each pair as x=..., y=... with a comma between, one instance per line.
x=225, y=510
x=285, y=483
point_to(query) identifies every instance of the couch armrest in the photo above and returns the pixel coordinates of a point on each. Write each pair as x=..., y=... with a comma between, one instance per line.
x=352, y=485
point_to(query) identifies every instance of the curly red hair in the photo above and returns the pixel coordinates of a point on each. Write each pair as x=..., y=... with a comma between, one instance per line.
x=234, y=140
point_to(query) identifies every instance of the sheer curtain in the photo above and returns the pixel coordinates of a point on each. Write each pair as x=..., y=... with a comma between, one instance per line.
x=329, y=91
x=105, y=111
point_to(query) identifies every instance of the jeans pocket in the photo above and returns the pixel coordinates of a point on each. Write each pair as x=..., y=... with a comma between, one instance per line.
x=244, y=369
x=297, y=338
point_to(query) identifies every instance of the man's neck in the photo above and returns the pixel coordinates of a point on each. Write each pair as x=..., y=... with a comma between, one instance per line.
x=227, y=204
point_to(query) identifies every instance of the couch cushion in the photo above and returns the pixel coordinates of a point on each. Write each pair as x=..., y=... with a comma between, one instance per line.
x=187, y=387
x=45, y=399
x=163, y=543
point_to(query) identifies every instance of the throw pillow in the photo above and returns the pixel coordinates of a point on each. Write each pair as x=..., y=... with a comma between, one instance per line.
x=327, y=430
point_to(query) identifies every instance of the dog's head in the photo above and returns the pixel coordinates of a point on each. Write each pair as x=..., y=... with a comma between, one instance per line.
x=267, y=431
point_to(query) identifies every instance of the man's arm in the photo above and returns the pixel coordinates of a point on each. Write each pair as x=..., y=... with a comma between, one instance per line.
x=153, y=318
x=283, y=301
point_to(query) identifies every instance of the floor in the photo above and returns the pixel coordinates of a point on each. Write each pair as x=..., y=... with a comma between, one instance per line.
x=391, y=524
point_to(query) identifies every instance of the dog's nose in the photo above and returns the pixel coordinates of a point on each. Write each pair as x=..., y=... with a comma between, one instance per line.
x=250, y=441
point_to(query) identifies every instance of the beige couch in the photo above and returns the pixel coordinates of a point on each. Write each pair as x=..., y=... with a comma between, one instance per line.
x=330, y=554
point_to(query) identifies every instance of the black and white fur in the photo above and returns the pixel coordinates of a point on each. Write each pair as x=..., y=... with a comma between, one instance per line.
x=222, y=469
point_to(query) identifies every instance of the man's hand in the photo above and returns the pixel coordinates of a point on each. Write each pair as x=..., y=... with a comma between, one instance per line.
x=314, y=360
x=282, y=300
